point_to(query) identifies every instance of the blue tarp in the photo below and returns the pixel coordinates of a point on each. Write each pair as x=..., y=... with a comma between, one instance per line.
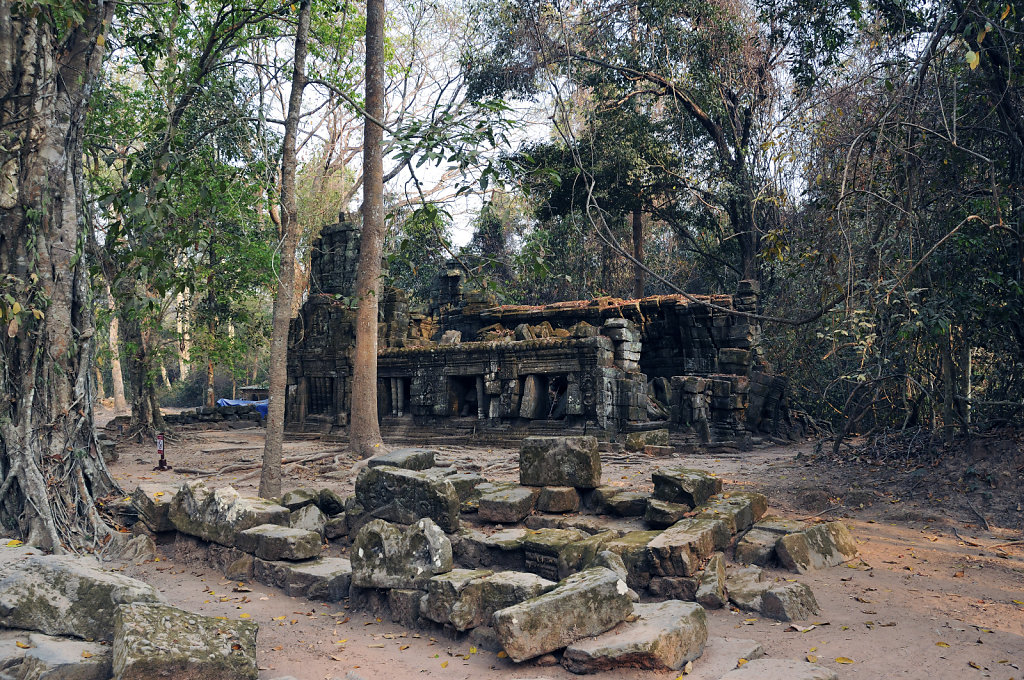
x=260, y=406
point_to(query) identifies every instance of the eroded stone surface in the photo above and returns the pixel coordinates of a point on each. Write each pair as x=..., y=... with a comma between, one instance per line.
x=66, y=595
x=404, y=496
x=326, y=579
x=273, y=542
x=43, y=657
x=737, y=510
x=484, y=596
x=153, y=502
x=308, y=518
x=683, y=485
x=153, y=641
x=507, y=506
x=745, y=587
x=558, y=499
x=663, y=514
x=407, y=459
x=384, y=555
x=682, y=549
x=789, y=602
x=821, y=546
x=220, y=515
x=582, y=605
x=443, y=592
x=665, y=635
x=560, y=461
x=299, y=498
x=500, y=549
x=711, y=592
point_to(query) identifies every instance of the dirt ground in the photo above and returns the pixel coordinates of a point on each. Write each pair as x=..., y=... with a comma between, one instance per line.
x=935, y=594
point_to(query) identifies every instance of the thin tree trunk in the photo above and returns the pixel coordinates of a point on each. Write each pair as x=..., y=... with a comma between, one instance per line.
x=270, y=477
x=364, y=429
x=948, y=385
x=100, y=394
x=116, y=377
x=50, y=470
x=638, y=254
x=184, y=342
x=164, y=376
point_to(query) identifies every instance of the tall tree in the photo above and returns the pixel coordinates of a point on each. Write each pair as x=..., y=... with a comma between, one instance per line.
x=51, y=470
x=270, y=477
x=364, y=430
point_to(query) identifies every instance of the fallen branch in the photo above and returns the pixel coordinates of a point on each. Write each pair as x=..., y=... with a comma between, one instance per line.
x=823, y=512
x=980, y=516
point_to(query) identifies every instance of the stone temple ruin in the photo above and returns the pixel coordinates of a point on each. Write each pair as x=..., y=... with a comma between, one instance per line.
x=558, y=567
x=601, y=366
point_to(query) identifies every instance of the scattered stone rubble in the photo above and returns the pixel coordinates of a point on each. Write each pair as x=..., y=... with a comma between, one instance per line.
x=515, y=567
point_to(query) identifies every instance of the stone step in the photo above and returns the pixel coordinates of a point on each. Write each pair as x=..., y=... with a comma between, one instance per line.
x=326, y=579
x=274, y=542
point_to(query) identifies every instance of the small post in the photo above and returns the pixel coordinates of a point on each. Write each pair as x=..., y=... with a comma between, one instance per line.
x=162, y=465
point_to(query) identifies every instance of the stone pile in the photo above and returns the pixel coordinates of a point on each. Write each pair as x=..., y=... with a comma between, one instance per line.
x=65, y=618
x=517, y=567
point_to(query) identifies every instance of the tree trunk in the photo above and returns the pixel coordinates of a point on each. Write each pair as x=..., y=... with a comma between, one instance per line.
x=184, y=342
x=116, y=378
x=638, y=254
x=364, y=429
x=270, y=477
x=100, y=394
x=50, y=468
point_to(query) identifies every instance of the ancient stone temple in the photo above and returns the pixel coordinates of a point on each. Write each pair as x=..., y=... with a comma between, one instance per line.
x=689, y=363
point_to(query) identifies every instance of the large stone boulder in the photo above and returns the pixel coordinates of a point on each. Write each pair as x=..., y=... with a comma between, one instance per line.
x=560, y=461
x=738, y=510
x=636, y=441
x=274, y=542
x=153, y=503
x=558, y=499
x=220, y=515
x=665, y=635
x=662, y=514
x=542, y=550
x=297, y=499
x=309, y=518
x=682, y=485
x=407, y=459
x=789, y=602
x=821, y=546
x=404, y=496
x=582, y=605
x=157, y=641
x=745, y=587
x=444, y=590
x=66, y=595
x=42, y=657
x=757, y=546
x=384, y=555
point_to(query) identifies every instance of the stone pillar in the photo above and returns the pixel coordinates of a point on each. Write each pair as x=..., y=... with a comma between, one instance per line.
x=400, y=399
x=393, y=383
x=481, y=399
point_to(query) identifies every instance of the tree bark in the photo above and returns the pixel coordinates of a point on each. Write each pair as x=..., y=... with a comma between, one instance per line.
x=184, y=342
x=270, y=477
x=50, y=469
x=364, y=429
x=116, y=377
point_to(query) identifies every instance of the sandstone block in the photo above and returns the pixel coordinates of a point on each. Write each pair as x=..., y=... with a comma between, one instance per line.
x=220, y=515
x=636, y=441
x=558, y=499
x=405, y=496
x=385, y=556
x=308, y=518
x=153, y=502
x=330, y=503
x=711, y=592
x=682, y=485
x=484, y=596
x=746, y=586
x=560, y=461
x=508, y=506
x=407, y=459
x=682, y=549
x=662, y=514
x=42, y=657
x=738, y=510
x=443, y=591
x=326, y=579
x=664, y=637
x=153, y=640
x=789, y=602
x=628, y=503
x=821, y=546
x=300, y=498
x=273, y=542
x=582, y=605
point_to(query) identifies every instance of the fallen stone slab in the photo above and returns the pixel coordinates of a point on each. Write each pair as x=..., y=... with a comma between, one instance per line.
x=404, y=496
x=662, y=514
x=443, y=591
x=560, y=461
x=665, y=635
x=627, y=503
x=558, y=499
x=499, y=550
x=309, y=518
x=780, y=669
x=485, y=595
x=757, y=546
x=384, y=555
x=326, y=579
x=300, y=498
x=153, y=641
x=330, y=503
x=683, y=485
x=508, y=506
x=336, y=526
x=789, y=602
x=821, y=546
x=737, y=510
x=580, y=554
x=674, y=587
x=67, y=595
x=466, y=484
x=585, y=604
x=153, y=503
x=274, y=542
x=636, y=555
x=683, y=548
x=220, y=515
x=407, y=459
x=35, y=656
x=745, y=587
x=711, y=593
